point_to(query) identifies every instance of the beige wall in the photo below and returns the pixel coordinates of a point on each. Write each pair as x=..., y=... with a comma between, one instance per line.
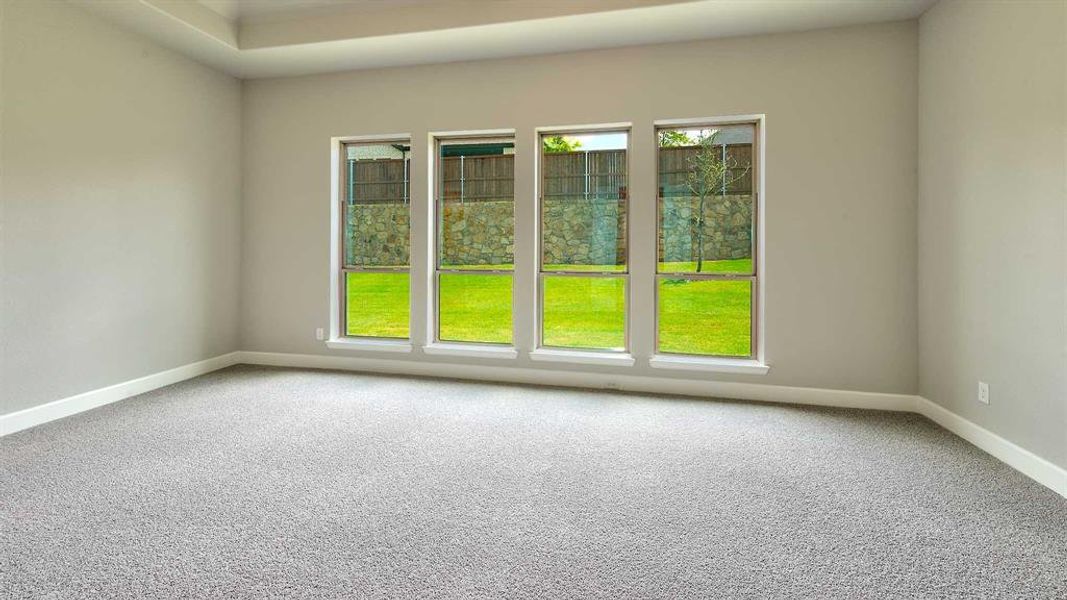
x=841, y=180
x=991, y=217
x=120, y=202
x=122, y=215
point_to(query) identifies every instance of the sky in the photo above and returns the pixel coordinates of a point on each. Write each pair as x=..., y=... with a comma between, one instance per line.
x=617, y=141
x=600, y=141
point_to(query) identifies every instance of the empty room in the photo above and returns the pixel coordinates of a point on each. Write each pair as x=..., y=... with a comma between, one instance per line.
x=533, y=299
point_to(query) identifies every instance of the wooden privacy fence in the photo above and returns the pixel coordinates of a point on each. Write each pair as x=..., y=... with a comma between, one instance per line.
x=587, y=175
x=674, y=169
x=581, y=175
x=478, y=178
x=379, y=181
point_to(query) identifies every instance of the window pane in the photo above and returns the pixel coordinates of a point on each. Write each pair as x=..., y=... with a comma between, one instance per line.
x=584, y=312
x=583, y=210
x=705, y=317
x=377, y=304
x=377, y=206
x=705, y=200
x=476, y=204
x=475, y=308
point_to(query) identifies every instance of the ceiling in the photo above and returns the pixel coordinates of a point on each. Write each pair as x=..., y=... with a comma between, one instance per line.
x=271, y=38
x=245, y=10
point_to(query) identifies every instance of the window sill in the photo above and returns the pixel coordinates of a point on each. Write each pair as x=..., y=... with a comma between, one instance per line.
x=581, y=357
x=369, y=345
x=711, y=365
x=471, y=350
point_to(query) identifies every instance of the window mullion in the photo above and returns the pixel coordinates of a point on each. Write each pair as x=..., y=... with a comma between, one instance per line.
x=642, y=205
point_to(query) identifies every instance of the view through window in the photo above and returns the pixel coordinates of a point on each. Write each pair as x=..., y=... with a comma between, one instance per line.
x=706, y=272
x=475, y=233
x=707, y=219
x=376, y=214
x=584, y=204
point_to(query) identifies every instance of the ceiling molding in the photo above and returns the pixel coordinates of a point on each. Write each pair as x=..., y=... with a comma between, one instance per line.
x=334, y=22
x=414, y=33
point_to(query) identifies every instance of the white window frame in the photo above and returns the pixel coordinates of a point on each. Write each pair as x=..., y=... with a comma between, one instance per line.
x=435, y=345
x=423, y=259
x=338, y=338
x=593, y=356
x=756, y=362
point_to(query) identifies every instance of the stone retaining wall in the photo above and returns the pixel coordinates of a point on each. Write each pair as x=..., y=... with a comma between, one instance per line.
x=579, y=232
x=479, y=233
x=378, y=235
x=583, y=232
x=727, y=228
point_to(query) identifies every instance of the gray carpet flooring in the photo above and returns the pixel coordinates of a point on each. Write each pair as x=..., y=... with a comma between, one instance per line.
x=257, y=482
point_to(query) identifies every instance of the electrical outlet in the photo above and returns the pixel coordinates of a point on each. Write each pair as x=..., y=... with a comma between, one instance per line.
x=320, y=334
x=983, y=392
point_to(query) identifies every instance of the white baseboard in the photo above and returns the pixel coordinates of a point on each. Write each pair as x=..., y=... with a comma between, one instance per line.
x=1020, y=459
x=1026, y=462
x=586, y=379
x=37, y=415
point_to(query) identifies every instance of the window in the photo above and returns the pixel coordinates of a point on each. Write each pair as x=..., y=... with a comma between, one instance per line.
x=707, y=215
x=475, y=235
x=375, y=217
x=706, y=285
x=583, y=278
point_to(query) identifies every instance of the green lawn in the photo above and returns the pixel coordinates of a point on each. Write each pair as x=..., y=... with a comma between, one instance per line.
x=705, y=317
x=696, y=317
x=584, y=312
x=378, y=304
x=475, y=308
x=737, y=265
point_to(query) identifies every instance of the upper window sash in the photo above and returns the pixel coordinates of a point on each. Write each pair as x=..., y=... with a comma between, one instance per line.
x=583, y=200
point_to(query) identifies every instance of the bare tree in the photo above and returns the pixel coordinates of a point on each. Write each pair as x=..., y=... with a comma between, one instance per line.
x=712, y=172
